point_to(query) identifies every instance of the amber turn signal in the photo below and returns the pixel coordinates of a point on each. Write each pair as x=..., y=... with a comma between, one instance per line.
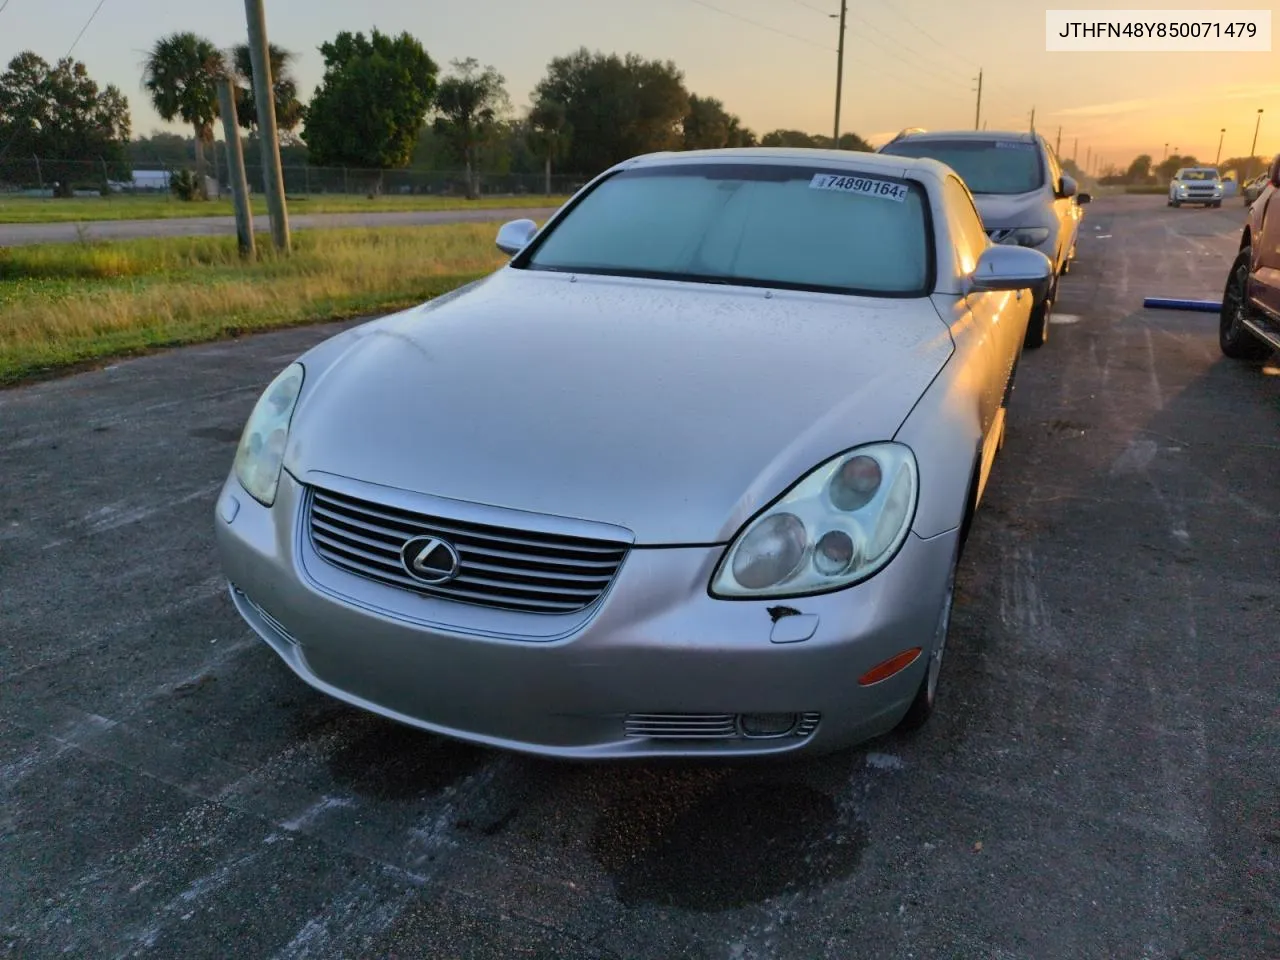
x=891, y=666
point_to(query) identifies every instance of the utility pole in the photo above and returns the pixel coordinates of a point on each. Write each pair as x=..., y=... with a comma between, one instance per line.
x=1254, y=148
x=1166, y=153
x=1033, y=119
x=1088, y=154
x=1057, y=147
x=264, y=94
x=1075, y=149
x=235, y=161
x=1221, y=133
x=977, y=115
x=844, y=10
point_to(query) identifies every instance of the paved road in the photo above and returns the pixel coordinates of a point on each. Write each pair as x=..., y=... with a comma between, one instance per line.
x=1101, y=781
x=19, y=234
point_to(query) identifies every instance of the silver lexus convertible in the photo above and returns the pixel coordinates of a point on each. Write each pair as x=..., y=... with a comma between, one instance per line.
x=689, y=475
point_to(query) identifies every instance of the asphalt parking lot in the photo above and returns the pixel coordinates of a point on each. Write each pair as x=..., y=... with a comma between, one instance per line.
x=1102, y=779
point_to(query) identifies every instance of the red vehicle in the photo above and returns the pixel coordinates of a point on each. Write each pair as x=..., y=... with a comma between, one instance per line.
x=1249, y=325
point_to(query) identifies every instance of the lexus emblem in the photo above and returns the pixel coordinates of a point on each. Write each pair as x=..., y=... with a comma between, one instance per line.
x=430, y=560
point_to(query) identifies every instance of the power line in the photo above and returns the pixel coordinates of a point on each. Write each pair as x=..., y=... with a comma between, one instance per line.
x=763, y=26
x=86, y=25
x=920, y=30
x=809, y=6
x=3, y=5
x=941, y=76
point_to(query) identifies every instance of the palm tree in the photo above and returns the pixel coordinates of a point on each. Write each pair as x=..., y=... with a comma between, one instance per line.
x=288, y=106
x=181, y=74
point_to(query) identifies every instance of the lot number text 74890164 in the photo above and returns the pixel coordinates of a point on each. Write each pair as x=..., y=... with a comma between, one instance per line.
x=865, y=186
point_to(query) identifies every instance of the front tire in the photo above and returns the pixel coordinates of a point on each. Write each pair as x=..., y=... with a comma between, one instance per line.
x=1038, y=326
x=1233, y=336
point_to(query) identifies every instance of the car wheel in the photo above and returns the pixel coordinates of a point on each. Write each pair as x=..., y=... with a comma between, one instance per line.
x=1176, y=203
x=926, y=698
x=1233, y=336
x=1217, y=203
x=1038, y=325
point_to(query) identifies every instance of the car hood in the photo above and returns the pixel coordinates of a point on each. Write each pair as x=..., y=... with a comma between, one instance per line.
x=673, y=410
x=1014, y=210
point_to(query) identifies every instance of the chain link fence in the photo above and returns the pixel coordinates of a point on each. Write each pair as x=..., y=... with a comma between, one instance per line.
x=40, y=177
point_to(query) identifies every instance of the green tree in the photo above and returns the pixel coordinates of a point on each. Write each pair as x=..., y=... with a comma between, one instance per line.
x=181, y=74
x=851, y=141
x=617, y=107
x=283, y=84
x=59, y=112
x=1139, y=170
x=802, y=140
x=740, y=136
x=790, y=138
x=1169, y=167
x=372, y=101
x=708, y=126
x=170, y=149
x=469, y=103
x=548, y=134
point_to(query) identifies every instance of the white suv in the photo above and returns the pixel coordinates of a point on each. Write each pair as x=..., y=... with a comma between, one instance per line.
x=1196, y=185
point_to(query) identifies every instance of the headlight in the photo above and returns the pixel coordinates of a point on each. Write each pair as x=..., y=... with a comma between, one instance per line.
x=1026, y=236
x=260, y=457
x=841, y=523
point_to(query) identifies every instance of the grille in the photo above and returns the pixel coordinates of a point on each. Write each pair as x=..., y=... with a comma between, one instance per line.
x=499, y=567
x=702, y=726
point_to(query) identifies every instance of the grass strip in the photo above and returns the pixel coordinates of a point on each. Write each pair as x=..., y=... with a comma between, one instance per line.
x=67, y=305
x=90, y=209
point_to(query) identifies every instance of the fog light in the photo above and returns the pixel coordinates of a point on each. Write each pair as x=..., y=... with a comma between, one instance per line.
x=760, y=726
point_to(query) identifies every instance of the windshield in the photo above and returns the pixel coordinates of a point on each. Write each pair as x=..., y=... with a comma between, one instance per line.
x=797, y=227
x=1199, y=175
x=987, y=166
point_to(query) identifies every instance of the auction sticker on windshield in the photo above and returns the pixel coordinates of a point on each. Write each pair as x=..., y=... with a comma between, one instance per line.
x=864, y=186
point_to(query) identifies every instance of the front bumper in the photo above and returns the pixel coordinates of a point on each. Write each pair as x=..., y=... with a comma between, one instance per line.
x=1197, y=197
x=656, y=644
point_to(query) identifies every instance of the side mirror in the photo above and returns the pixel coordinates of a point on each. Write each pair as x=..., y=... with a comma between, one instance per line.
x=1067, y=187
x=1083, y=198
x=515, y=236
x=1004, y=267
x=1273, y=176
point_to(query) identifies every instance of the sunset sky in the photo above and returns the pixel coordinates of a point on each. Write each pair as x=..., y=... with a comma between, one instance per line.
x=909, y=63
